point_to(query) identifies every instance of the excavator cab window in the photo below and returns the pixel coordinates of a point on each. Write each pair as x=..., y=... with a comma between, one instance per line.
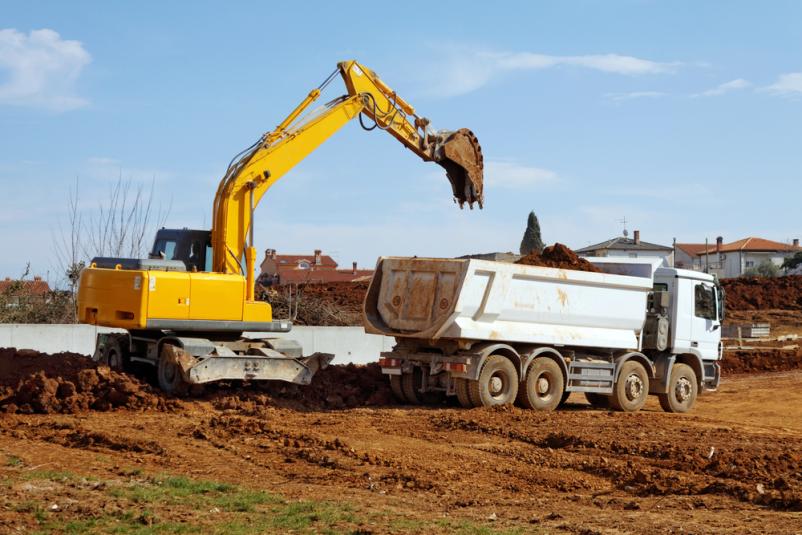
x=192, y=247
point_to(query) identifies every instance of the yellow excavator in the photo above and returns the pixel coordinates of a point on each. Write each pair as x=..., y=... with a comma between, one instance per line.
x=185, y=308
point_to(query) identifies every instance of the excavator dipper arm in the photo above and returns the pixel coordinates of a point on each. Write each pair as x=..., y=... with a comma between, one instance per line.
x=257, y=168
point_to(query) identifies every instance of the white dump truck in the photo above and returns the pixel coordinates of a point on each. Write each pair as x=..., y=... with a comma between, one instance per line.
x=492, y=333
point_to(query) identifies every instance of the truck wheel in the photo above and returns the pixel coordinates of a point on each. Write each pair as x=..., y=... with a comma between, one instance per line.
x=600, y=401
x=463, y=396
x=564, y=398
x=410, y=386
x=398, y=390
x=631, y=389
x=497, y=384
x=169, y=376
x=542, y=389
x=682, y=389
x=113, y=355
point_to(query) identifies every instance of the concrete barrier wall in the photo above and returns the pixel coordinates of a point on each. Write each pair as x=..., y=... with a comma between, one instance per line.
x=349, y=344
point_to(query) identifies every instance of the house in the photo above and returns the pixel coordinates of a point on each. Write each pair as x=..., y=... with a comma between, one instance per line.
x=629, y=247
x=742, y=256
x=284, y=269
x=17, y=292
x=685, y=255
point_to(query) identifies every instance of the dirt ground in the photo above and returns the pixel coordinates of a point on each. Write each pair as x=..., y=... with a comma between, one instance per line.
x=224, y=464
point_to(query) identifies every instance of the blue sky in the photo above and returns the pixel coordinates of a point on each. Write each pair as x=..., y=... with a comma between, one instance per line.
x=683, y=117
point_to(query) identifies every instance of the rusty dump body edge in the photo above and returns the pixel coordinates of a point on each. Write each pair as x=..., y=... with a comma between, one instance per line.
x=460, y=154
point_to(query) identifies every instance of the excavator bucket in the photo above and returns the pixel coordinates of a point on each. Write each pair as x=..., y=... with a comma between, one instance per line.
x=460, y=154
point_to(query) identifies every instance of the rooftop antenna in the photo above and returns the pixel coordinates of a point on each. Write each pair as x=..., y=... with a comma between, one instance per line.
x=624, y=223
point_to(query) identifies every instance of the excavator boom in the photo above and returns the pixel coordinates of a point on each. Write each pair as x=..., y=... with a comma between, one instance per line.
x=253, y=172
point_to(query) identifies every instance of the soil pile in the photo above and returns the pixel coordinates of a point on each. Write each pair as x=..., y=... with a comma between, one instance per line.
x=558, y=256
x=756, y=293
x=761, y=360
x=335, y=387
x=33, y=382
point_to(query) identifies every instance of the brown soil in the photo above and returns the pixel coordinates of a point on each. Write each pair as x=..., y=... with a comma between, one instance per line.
x=761, y=359
x=756, y=293
x=558, y=256
x=32, y=382
x=730, y=466
x=335, y=387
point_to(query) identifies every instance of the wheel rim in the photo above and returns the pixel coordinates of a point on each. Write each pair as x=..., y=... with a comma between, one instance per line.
x=496, y=386
x=683, y=389
x=633, y=388
x=543, y=386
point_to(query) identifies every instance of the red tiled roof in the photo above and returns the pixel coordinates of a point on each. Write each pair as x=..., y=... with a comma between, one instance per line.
x=691, y=248
x=751, y=244
x=34, y=287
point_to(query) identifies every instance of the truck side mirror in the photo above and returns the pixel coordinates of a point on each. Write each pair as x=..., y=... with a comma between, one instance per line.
x=716, y=327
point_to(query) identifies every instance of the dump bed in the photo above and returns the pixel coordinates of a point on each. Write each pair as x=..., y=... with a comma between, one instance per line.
x=431, y=299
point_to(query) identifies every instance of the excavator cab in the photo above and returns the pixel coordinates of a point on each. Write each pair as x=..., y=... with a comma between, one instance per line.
x=192, y=247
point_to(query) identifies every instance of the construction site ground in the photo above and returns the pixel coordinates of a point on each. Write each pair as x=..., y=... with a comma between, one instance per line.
x=228, y=464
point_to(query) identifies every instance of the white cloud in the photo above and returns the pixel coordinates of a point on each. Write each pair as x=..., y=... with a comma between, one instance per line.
x=786, y=85
x=617, y=97
x=466, y=70
x=726, y=87
x=511, y=175
x=41, y=69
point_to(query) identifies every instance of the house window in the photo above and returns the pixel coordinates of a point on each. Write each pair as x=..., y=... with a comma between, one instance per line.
x=633, y=255
x=705, y=300
x=750, y=263
x=303, y=264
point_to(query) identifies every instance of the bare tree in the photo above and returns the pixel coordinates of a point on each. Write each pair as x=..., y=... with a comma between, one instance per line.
x=122, y=226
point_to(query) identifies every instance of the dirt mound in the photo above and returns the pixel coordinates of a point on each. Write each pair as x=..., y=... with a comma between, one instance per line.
x=335, y=387
x=761, y=360
x=33, y=382
x=756, y=293
x=558, y=256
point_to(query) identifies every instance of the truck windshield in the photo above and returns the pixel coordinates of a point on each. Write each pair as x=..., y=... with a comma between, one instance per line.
x=705, y=300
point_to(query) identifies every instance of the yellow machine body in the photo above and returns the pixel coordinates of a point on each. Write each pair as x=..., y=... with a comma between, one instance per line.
x=153, y=298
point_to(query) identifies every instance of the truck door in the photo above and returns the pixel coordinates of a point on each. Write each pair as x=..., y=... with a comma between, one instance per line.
x=705, y=324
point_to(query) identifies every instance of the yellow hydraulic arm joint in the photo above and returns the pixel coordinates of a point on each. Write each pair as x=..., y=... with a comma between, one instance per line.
x=258, y=167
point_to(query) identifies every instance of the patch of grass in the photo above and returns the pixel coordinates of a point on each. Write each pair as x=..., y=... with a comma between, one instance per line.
x=13, y=461
x=51, y=475
x=306, y=514
x=244, y=501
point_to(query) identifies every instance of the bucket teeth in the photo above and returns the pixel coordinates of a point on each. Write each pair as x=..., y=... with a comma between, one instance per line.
x=460, y=154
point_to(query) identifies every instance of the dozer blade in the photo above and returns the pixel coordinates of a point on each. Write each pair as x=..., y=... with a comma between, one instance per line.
x=460, y=154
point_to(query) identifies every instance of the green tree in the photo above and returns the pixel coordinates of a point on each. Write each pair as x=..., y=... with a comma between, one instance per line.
x=792, y=261
x=532, y=240
x=766, y=268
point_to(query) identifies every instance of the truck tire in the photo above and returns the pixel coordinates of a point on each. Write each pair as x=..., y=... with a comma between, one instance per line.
x=410, y=385
x=398, y=390
x=543, y=387
x=497, y=383
x=682, y=389
x=113, y=354
x=600, y=401
x=169, y=376
x=563, y=399
x=463, y=396
x=631, y=389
